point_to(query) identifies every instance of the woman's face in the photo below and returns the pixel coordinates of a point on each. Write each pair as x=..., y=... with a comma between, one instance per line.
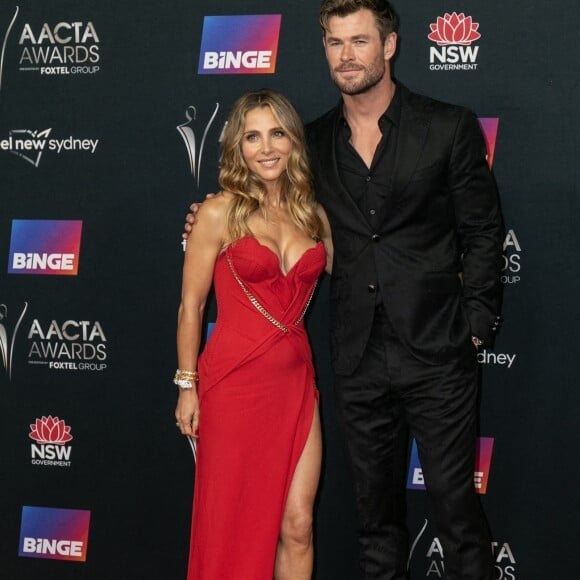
x=265, y=145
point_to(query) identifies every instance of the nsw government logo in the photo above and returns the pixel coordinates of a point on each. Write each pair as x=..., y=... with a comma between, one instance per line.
x=54, y=533
x=47, y=247
x=239, y=44
x=453, y=35
x=50, y=435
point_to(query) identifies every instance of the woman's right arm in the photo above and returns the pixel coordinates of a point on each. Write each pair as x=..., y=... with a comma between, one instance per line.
x=203, y=248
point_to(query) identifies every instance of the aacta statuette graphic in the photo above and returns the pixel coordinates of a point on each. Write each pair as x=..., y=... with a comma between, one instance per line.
x=4, y=41
x=8, y=337
x=194, y=135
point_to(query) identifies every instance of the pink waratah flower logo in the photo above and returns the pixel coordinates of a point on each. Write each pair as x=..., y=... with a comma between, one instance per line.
x=50, y=430
x=454, y=29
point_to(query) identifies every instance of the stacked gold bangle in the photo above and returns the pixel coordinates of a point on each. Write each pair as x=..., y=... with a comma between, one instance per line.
x=185, y=379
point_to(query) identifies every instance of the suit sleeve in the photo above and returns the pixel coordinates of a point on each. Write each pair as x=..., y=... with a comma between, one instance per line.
x=479, y=225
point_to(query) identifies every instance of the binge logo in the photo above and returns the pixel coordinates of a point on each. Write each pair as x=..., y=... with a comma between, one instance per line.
x=53, y=533
x=489, y=127
x=239, y=44
x=49, y=247
x=483, y=454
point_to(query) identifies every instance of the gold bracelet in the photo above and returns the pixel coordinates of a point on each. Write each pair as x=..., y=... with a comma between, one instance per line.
x=186, y=375
x=185, y=379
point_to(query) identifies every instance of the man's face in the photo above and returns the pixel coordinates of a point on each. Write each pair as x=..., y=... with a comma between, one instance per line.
x=357, y=57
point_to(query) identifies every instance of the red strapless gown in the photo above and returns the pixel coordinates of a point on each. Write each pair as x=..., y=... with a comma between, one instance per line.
x=257, y=398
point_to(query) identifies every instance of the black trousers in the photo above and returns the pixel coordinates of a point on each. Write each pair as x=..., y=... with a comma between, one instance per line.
x=388, y=397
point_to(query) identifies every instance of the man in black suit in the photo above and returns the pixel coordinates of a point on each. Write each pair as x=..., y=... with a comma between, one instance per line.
x=417, y=235
x=415, y=289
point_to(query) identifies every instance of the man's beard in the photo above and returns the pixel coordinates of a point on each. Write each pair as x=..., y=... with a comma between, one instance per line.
x=373, y=74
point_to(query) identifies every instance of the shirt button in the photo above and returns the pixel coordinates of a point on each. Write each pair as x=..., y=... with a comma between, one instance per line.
x=375, y=237
x=368, y=178
x=371, y=288
x=372, y=212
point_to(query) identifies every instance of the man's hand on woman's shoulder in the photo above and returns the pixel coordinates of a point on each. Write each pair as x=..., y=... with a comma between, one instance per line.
x=190, y=218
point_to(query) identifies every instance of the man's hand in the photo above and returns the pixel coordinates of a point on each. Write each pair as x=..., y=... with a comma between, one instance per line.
x=191, y=217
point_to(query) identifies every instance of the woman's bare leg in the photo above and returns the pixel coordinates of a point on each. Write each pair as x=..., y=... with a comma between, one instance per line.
x=295, y=554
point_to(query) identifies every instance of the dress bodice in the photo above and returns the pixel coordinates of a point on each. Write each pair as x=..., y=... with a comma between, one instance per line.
x=258, y=305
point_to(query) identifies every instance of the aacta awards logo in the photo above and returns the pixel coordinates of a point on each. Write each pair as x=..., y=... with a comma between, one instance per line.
x=30, y=145
x=10, y=321
x=51, y=436
x=54, y=533
x=72, y=345
x=512, y=265
x=427, y=559
x=63, y=48
x=453, y=35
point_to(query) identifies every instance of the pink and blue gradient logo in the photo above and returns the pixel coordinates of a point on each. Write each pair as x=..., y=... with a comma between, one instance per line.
x=54, y=533
x=47, y=247
x=239, y=44
x=489, y=126
x=483, y=454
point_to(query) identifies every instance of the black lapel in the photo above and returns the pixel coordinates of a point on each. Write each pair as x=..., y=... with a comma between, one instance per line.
x=413, y=128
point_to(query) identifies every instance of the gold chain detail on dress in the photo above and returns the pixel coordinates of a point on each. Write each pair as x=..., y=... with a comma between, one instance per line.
x=307, y=304
x=254, y=301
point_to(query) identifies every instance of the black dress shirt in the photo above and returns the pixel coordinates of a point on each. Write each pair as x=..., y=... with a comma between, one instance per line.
x=369, y=186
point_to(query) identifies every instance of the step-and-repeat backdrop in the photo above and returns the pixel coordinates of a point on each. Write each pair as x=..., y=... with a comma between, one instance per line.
x=110, y=115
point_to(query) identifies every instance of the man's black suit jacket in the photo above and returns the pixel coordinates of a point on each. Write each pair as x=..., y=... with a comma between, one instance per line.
x=437, y=256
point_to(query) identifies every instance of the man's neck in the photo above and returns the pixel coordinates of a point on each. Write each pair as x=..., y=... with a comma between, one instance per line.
x=370, y=105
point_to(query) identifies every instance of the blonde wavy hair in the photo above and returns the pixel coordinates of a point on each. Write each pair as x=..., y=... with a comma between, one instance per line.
x=249, y=191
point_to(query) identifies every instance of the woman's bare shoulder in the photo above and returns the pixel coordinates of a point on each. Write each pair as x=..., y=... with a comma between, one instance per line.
x=215, y=208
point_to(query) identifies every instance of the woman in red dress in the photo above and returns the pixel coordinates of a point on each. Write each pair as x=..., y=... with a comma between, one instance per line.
x=250, y=397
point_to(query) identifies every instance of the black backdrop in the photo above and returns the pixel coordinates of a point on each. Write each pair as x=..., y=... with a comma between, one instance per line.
x=128, y=172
